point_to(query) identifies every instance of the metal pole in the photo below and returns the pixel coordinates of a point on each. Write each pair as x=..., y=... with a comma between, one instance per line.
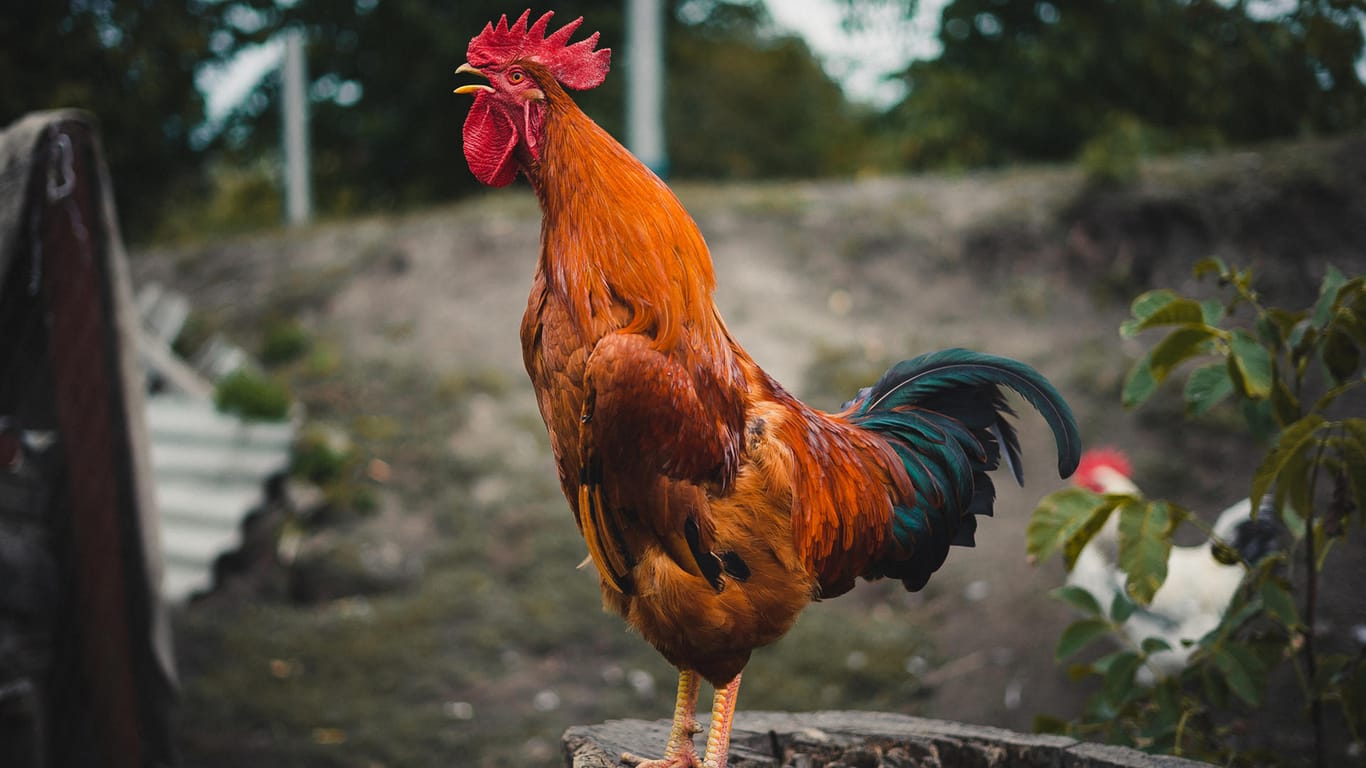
x=645, y=84
x=298, y=187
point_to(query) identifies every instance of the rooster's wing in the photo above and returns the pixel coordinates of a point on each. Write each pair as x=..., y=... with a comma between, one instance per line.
x=655, y=432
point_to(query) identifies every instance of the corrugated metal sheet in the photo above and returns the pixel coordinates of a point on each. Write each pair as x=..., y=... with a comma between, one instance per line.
x=210, y=471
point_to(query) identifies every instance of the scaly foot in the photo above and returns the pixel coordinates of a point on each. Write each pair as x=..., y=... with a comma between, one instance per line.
x=687, y=760
x=679, y=752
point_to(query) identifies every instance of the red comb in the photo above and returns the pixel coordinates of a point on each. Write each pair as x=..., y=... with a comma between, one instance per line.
x=576, y=66
x=1097, y=458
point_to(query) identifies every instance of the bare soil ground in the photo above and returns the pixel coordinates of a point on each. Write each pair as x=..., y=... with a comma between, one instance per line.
x=493, y=642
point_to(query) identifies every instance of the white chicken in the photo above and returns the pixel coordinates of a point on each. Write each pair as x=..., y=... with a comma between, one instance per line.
x=1198, y=587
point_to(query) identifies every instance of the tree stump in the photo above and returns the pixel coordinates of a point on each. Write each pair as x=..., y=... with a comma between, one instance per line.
x=859, y=740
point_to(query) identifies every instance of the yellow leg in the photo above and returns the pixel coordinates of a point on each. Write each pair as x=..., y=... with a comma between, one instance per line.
x=680, y=751
x=722, y=715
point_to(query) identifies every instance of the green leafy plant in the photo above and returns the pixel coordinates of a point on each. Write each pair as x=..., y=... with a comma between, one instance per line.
x=284, y=341
x=322, y=453
x=1113, y=155
x=328, y=456
x=1291, y=373
x=253, y=396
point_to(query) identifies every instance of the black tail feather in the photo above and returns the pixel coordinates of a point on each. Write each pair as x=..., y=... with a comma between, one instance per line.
x=947, y=418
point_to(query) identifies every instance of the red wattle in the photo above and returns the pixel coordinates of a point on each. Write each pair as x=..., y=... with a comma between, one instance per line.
x=490, y=137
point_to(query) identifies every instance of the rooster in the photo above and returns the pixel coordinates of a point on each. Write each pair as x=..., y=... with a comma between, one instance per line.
x=1201, y=580
x=714, y=505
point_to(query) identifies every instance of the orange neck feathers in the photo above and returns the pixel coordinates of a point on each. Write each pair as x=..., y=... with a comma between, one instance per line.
x=613, y=233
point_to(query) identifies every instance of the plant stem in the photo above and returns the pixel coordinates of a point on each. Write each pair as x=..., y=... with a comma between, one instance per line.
x=1310, y=662
x=1181, y=730
x=1310, y=603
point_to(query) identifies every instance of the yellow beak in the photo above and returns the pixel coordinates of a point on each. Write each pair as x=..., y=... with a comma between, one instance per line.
x=466, y=69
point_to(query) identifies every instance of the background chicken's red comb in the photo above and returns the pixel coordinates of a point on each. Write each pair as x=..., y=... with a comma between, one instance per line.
x=576, y=66
x=1096, y=458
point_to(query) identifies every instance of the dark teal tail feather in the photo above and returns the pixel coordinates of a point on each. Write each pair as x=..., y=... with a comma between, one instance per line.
x=945, y=416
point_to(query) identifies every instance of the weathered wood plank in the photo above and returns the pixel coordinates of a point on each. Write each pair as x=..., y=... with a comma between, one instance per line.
x=859, y=740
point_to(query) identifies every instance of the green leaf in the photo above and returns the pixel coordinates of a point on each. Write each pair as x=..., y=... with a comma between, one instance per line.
x=1211, y=312
x=1206, y=387
x=1333, y=280
x=1139, y=384
x=1143, y=307
x=1302, y=339
x=1210, y=265
x=1181, y=344
x=1284, y=405
x=1121, y=608
x=1241, y=671
x=1118, y=684
x=1102, y=665
x=1235, y=616
x=1224, y=553
x=1280, y=603
x=1350, y=315
x=1167, y=699
x=1293, y=441
x=1353, y=456
x=1176, y=311
x=1340, y=355
x=1145, y=542
x=1293, y=487
x=1065, y=518
x=1079, y=635
x=1260, y=419
x=1091, y=524
x=1151, y=645
x=1294, y=522
x=1323, y=542
x=1078, y=598
x=1280, y=325
x=1267, y=332
x=1253, y=365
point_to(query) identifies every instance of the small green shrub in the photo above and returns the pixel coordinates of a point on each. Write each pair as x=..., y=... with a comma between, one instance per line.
x=284, y=342
x=1288, y=372
x=253, y=396
x=321, y=454
x=326, y=456
x=1112, y=156
x=198, y=329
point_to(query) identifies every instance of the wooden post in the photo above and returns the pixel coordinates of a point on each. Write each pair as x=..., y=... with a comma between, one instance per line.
x=298, y=185
x=645, y=84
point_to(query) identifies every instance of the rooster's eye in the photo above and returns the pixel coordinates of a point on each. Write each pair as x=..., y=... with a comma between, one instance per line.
x=516, y=77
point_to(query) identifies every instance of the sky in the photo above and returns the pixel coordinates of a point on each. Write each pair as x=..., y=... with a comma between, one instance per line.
x=224, y=87
x=858, y=60
x=861, y=59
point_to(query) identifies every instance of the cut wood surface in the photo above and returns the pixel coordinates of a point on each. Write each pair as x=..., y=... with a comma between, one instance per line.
x=859, y=740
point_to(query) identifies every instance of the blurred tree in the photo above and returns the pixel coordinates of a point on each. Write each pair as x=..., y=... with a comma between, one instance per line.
x=744, y=104
x=1040, y=79
x=133, y=65
x=386, y=129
